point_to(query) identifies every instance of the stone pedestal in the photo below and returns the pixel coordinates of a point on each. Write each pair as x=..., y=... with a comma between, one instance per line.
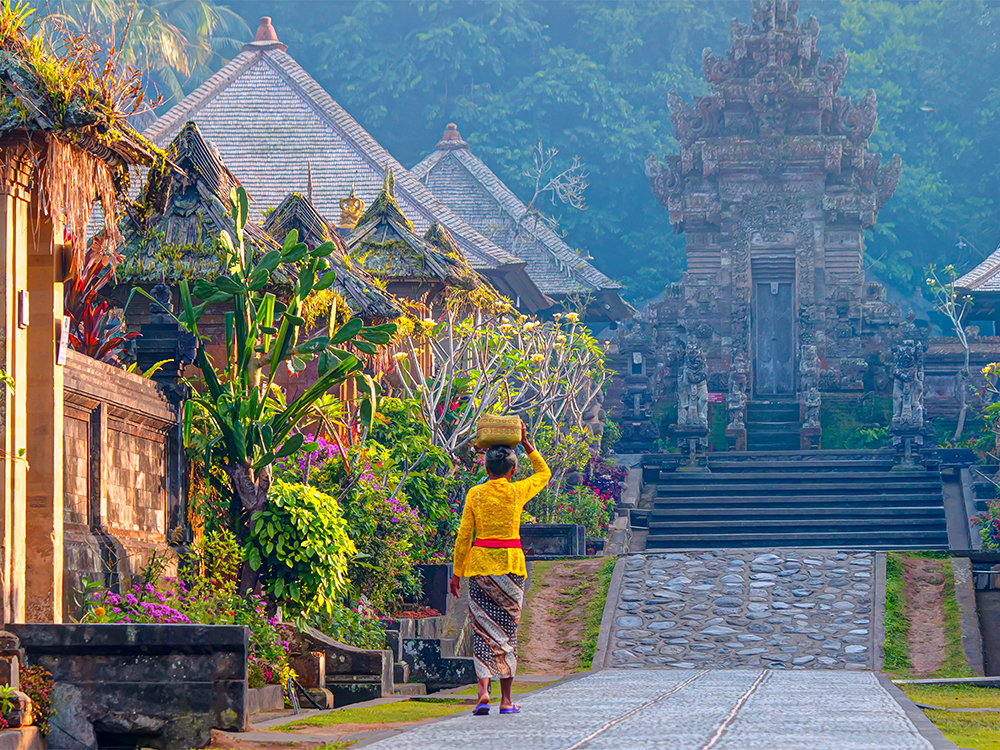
x=809, y=438
x=737, y=438
x=908, y=442
x=693, y=445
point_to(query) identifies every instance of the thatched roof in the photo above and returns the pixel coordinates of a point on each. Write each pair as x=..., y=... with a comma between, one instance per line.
x=386, y=245
x=172, y=233
x=357, y=288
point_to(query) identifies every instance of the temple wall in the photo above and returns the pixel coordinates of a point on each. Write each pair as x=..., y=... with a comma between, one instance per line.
x=124, y=476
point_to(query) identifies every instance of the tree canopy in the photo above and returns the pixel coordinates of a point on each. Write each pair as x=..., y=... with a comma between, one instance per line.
x=591, y=79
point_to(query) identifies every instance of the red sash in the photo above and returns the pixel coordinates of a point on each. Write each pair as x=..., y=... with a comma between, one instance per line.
x=498, y=543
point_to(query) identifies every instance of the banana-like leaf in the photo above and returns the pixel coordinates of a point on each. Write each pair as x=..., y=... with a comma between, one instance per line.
x=325, y=281
x=346, y=332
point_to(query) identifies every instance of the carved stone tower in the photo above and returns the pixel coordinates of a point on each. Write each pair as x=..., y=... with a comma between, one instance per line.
x=773, y=187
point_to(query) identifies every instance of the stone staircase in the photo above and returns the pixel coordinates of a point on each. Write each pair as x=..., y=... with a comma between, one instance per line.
x=819, y=499
x=773, y=425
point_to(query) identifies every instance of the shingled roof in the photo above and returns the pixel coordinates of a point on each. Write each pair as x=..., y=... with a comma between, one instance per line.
x=171, y=233
x=467, y=186
x=273, y=124
x=983, y=278
x=361, y=293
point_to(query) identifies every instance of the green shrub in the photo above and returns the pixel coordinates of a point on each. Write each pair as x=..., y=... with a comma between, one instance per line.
x=300, y=546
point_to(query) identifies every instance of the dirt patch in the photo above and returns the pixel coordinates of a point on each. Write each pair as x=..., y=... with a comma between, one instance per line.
x=925, y=610
x=556, y=617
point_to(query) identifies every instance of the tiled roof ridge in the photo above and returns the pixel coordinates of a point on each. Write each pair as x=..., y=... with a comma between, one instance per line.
x=423, y=199
x=982, y=273
x=296, y=205
x=190, y=145
x=190, y=104
x=515, y=208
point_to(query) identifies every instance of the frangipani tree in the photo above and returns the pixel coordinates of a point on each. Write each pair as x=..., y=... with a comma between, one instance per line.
x=950, y=303
x=249, y=425
x=502, y=364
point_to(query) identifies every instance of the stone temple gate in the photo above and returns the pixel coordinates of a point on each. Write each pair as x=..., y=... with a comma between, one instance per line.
x=773, y=187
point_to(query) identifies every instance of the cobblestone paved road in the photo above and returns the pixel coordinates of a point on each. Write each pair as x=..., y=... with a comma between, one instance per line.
x=670, y=709
x=783, y=609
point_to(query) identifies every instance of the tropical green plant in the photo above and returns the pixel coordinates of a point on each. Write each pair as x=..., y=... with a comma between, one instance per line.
x=244, y=420
x=180, y=42
x=386, y=529
x=299, y=545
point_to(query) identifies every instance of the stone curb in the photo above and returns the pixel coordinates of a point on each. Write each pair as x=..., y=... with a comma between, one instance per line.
x=958, y=710
x=965, y=594
x=917, y=717
x=878, y=611
x=608, y=616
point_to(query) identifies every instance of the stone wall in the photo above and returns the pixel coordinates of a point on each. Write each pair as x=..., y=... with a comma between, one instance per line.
x=157, y=686
x=124, y=473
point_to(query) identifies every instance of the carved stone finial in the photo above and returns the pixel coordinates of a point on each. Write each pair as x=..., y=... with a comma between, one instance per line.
x=451, y=140
x=265, y=38
x=351, y=209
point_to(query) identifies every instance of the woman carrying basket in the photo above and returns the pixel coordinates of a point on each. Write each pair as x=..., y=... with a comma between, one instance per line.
x=494, y=565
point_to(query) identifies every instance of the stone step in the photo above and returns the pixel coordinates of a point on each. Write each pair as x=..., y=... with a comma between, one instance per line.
x=746, y=488
x=724, y=466
x=804, y=512
x=779, y=526
x=730, y=502
x=733, y=477
x=856, y=539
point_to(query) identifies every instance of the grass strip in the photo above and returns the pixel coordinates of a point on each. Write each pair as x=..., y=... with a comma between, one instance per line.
x=972, y=731
x=953, y=696
x=594, y=613
x=519, y=688
x=897, y=626
x=399, y=711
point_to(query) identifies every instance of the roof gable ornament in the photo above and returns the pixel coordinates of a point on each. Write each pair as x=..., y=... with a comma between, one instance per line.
x=351, y=209
x=265, y=39
x=451, y=140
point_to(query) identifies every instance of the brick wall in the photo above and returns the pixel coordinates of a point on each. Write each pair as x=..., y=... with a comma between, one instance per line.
x=124, y=474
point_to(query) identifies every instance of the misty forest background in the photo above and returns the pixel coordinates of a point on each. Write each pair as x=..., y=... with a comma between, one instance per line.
x=591, y=79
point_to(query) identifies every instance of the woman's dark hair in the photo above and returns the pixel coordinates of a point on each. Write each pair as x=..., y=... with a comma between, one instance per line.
x=500, y=459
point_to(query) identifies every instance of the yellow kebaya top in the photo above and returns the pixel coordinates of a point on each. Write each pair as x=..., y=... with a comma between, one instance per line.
x=493, y=511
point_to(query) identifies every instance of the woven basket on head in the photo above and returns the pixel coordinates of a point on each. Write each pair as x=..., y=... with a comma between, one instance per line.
x=493, y=430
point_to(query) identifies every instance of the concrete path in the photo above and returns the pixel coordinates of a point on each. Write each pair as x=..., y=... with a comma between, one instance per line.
x=670, y=709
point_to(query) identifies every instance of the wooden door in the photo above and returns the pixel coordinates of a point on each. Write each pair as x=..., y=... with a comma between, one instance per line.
x=774, y=338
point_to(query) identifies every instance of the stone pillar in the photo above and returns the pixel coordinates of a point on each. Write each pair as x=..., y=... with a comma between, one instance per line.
x=44, y=570
x=15, y=214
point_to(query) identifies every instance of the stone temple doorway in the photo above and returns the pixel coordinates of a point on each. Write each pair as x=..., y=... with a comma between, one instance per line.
x=773, y=325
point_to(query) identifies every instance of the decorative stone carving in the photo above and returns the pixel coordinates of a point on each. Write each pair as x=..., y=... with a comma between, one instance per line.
x=908, y=387
x=737, y=399
x=809, y=381
x=692, y=389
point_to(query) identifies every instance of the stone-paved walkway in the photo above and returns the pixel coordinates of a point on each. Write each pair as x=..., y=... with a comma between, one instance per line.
x=781, y=609
x=671, y=709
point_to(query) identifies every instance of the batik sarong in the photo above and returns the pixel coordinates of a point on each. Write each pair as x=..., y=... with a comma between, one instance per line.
x=495, y=609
